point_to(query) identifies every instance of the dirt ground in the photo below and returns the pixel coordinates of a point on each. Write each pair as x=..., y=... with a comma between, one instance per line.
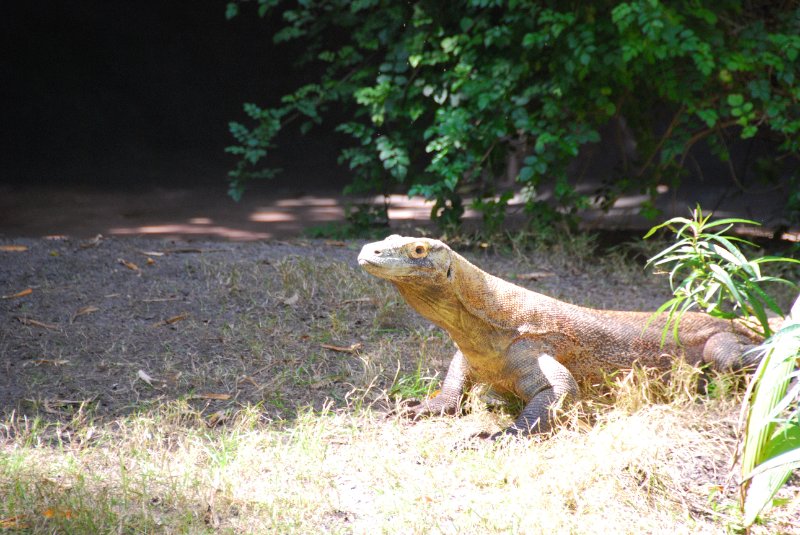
x=118, y=324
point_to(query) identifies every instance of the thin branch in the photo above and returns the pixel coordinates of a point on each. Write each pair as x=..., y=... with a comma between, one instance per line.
x=700, y=135
x=663, y=140
x=735, y=178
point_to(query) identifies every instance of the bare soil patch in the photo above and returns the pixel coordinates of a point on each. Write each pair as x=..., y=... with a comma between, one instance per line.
x=120, y=324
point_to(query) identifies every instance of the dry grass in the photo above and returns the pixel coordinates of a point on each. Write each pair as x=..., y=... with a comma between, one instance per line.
x=303, y=444
x=641, y=467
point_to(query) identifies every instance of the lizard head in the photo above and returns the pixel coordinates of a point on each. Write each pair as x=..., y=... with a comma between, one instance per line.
x=400, y=259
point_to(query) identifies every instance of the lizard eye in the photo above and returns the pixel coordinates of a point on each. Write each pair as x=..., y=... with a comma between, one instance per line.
x=420, y=250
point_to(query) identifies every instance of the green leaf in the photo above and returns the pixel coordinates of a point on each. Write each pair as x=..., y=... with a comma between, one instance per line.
x=764, y=297
x=764, y=483
x=735, y=100
x=765, y=259
x=723, y=277
x=731, y=221
x=525, y=174
x=710, y=117
x=765, y=392
x=231, y=10
x=785, y=462
x=749, y=131
x=731, y=253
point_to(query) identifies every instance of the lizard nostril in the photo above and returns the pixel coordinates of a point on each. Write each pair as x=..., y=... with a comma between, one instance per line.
x=378, y=252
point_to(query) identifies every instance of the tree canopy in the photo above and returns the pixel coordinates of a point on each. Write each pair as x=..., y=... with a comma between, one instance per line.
x=445, y=97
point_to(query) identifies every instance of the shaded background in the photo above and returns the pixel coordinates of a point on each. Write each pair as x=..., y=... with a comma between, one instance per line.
x=132, y=94
x=130, y=102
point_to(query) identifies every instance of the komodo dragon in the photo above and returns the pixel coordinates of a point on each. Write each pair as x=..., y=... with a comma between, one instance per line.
x=527, y=344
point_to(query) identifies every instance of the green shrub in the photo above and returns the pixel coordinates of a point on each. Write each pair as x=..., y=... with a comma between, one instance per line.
x=440, y=97
x=771, y=444
x=708, y=270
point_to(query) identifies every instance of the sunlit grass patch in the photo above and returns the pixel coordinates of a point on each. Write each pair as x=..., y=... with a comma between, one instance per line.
x=645, y=467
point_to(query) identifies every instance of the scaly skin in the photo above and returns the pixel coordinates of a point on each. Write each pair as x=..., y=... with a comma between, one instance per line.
x=530, y=345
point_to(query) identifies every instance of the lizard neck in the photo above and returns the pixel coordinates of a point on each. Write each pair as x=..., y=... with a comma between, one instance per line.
x=498, y=303
x=480, y=342
x=435, y=302
x=470, y=303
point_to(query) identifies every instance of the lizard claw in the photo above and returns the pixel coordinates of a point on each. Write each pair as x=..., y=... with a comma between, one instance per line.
x=494, y=437
x=415, y=409
x=480, y=440
x=407, y=408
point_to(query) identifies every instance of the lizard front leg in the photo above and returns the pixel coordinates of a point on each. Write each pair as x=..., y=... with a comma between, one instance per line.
x=448, y=400
x=542, y=381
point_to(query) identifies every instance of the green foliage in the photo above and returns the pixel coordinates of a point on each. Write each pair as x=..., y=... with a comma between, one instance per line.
x=493, y=210
x=771, y=447
x=361, y=221
x=708, y=270
x=440, y=95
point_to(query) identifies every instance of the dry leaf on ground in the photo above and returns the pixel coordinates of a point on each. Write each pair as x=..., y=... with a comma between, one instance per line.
x=52, y=362
x=247, y=379
x=13, y=248
x=174, y=319
x=322, y=383
x=14, y=522
x=94, y=242
x=52, y=406
x=129, y=265
x=212, y=395
x=185, y=250
x=160, y=299
x=21, y=293
x=65, y=402
x=88, y=309
x=144, y=376
x=358, y=300
x=36, y=323
x=291, y=301
x=57, y=513
x=215, y=419
x=352, y=348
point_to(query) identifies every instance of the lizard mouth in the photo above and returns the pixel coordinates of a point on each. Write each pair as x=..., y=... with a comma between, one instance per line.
x=369, y=266
x=378, y=269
